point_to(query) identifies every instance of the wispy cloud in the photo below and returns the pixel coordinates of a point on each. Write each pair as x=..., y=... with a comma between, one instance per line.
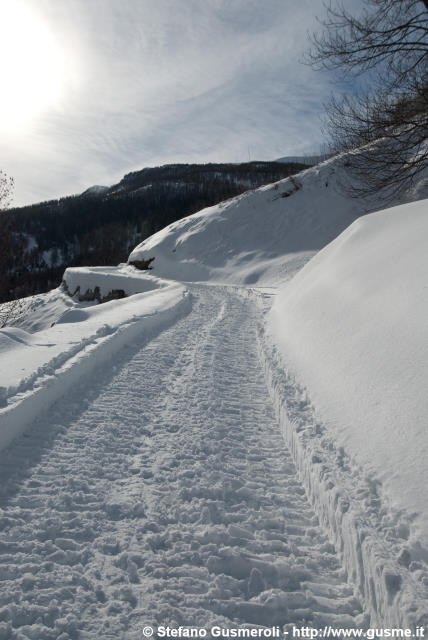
x=149, y=82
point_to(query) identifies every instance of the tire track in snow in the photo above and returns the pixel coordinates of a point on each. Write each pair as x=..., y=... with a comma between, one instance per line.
x=170, y=499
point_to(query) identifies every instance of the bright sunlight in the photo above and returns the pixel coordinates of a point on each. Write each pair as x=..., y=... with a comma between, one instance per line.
x=30, y=65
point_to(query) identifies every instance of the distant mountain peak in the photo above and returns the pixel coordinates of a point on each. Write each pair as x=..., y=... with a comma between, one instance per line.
x=95, y=190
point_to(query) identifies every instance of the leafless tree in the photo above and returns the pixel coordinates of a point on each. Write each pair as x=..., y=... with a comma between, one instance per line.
x=388, y=121
x=6, y=189
x=11, y=311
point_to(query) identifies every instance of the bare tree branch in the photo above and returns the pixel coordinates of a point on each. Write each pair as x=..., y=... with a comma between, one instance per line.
x=390, y=121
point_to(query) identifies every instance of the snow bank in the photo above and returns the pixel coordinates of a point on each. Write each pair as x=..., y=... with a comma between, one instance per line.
x=37, y=369
x=84, y=280
x=260, y=237
x=352, y=325
x=43, y=310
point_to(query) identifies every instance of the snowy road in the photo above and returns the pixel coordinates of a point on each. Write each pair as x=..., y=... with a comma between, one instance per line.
x=164, y=494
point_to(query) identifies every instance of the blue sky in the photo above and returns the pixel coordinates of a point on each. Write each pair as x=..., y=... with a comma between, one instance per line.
x=125, y=84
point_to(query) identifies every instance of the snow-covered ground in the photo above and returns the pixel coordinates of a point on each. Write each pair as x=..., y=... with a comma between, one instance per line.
x=210, y=460
x=36, y=369
x=162, y=494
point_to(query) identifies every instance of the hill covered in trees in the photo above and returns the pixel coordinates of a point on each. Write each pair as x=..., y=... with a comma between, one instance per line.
x=103, y=224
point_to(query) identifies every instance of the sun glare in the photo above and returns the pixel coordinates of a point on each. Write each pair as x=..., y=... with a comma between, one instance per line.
x=30, y=65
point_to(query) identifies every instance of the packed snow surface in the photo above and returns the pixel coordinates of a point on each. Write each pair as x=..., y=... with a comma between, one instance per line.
x=353, y=326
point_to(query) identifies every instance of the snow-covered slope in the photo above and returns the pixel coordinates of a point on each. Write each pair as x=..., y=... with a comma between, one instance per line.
x=353, y=326
x=261, y=237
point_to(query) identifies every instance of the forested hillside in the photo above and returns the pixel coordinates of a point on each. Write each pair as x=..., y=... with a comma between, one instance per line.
x=102, y=225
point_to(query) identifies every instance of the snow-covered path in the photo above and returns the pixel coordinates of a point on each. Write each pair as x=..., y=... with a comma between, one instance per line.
x=164, y=494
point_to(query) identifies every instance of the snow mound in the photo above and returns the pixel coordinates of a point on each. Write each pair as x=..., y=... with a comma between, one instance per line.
x=45, y=309
x=262, y=236
x=353, y=326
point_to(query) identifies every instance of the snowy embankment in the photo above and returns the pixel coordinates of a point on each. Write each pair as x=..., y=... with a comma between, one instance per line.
x=352, y=326
x=261, y=237
x=101, y=282
x=37, y=369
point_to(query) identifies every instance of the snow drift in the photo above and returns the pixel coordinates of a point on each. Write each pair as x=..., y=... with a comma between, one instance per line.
x=351, y=327
x=353, y=323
